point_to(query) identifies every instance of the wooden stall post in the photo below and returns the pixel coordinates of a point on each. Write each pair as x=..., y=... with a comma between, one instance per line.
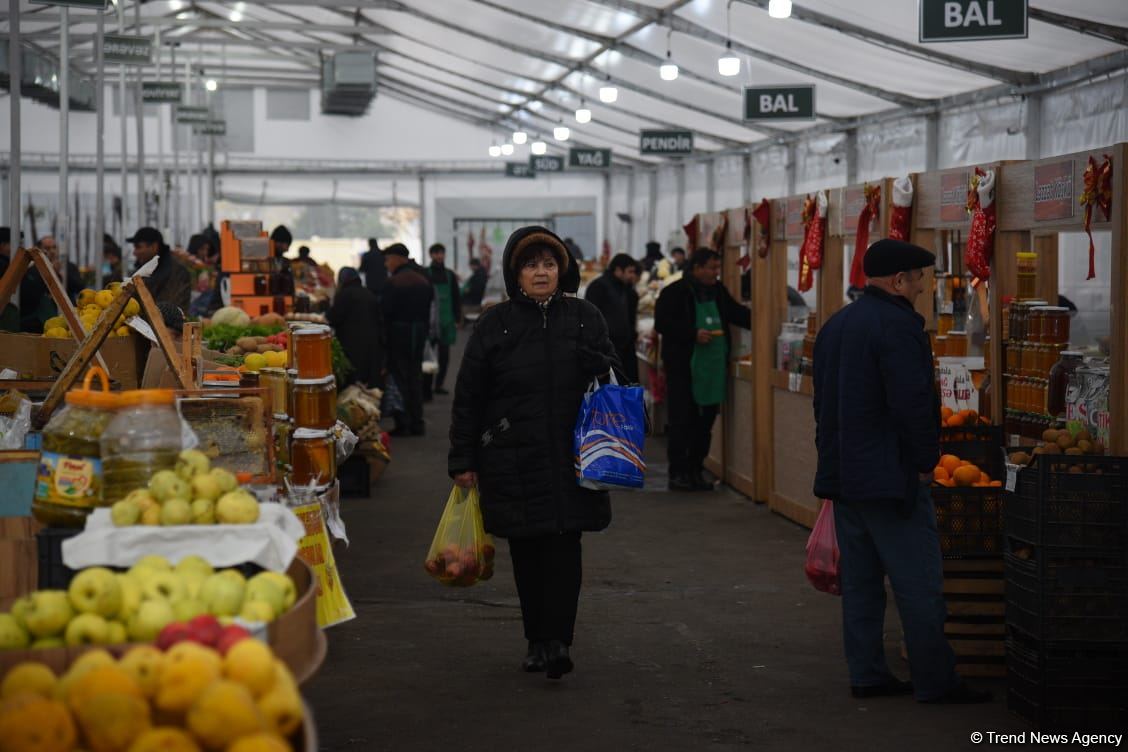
x=740, y=411
x=769, y=277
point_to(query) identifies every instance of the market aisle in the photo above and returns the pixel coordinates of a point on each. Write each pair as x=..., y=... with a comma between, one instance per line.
x=697, y=629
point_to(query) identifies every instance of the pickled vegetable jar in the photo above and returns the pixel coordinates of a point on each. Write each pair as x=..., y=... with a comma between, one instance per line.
x=313, y=351
x=315, y=403
x=283, y=428
x=313, y=458
x=69, y=482
x=143, y=437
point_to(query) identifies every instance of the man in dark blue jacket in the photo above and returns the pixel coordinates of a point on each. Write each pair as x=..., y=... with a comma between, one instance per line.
x=877, y=420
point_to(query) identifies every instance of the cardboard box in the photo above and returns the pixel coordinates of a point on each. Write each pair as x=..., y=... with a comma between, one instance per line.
x=35, y=357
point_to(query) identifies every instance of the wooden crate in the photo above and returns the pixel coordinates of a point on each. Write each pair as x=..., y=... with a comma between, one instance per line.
x=19, y=556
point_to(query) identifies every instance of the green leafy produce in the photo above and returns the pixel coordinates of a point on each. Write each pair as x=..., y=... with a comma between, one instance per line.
x=341, y=365
x=222, y=337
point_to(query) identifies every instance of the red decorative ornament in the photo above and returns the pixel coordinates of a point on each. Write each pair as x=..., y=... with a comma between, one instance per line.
x=720, y=232
x=763, y=217
x=605, y=255
x=981, y=237
x=901, y=217
x=811, y=252
x=1098, y=192
x=869, y=211
x=691, y=234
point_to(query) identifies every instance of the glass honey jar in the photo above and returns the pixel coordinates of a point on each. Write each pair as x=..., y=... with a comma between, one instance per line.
x=313, y=458
x=1055, y=325
x=957, y=343
x=315, y=403
x=313, y=351
x=276, y=382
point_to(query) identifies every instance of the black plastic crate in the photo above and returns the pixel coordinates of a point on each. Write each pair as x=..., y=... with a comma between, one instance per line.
x=1068, y=686
x=980, y=445
x=1067, y=597
x=53, y=574
x=1071, y=502
x=969, y=521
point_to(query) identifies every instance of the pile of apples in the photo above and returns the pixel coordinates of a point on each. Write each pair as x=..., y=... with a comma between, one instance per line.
x=102, y=607
x=234, y=696
x=89, y=306
x=194, y=493
x=462, y=567
x=953, y=472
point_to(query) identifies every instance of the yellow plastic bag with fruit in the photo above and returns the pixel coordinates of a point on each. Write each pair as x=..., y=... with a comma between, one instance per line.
x=461, y=552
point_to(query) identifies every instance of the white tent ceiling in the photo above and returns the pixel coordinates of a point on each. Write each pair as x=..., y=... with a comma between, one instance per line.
x=527, y=63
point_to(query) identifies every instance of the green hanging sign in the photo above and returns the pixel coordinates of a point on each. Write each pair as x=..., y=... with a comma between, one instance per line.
x=589, y=159
x=100, y=4
x=186, y=115
x=519, y=170
x=125, y=49
x=970, y=20
x=156, y=92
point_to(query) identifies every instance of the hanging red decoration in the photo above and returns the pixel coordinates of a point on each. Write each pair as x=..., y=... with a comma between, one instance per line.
x=1098, y=192
x=720, y=232
x=811, y=252
x=981, y=237
x=870, y=210
x=691, y=235
x=605, y=254
x=901, y=217
x=763, y=217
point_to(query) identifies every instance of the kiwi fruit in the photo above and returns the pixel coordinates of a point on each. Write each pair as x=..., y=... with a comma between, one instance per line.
x=1020, y=458
x=1050, y=435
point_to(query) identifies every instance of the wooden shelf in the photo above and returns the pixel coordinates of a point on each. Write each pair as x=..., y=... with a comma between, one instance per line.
x=782, y=380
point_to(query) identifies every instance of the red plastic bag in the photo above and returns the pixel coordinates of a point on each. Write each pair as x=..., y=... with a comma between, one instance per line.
x=822, y=553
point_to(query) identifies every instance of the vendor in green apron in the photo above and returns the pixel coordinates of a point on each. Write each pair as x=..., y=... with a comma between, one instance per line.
x=693, y=315
x=448, y=315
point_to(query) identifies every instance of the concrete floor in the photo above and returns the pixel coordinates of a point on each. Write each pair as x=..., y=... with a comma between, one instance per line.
x=697, y=630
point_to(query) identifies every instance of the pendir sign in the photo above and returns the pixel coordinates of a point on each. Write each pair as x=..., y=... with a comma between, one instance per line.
x=970, y=20
x=666, y=143
x=779, y=102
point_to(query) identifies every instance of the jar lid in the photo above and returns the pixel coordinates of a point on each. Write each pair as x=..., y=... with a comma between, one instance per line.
x=942, y=336
x=282, y=418
x=311, y=329
x=1073, y=353
x=962, y=332
x=310, y=382
x=1054, y=309
x=311, y=433
x=154, y=397
x=273, y=371
x=1026, y=255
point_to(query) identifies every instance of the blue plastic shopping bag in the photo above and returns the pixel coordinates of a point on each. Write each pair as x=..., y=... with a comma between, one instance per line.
x=609, y=435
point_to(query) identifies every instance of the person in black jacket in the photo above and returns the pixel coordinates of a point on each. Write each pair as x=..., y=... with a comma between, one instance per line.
x=170, y=282
x=373, y=268
x=36, y=303
x=653, y=255
x=877, y=418
x=613, y=293
x=358, y=322
x=523, y=377
x=448, y=299
x=407, y=314
x=474, y=288
x=693, y=315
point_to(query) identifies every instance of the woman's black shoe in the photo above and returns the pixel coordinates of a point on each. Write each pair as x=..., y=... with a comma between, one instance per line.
x=700, y=484
x=534, y=662
x=557, y=660
x=680, y=482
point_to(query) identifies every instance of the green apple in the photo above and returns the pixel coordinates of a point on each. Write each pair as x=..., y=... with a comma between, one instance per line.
x=223, y=594
x=12, y=635
x=193, y=582
x=176, y=512
x=19, y=610
x=153, y=561
x=257, y=611
x=206, y=487
x=263, y=590
x=237, y=508
x=226, y=479
x=143, y=499
x=125, y=513
x=166, y=586
x=203, y=512
x=87, y=629
x=193, y=564
x=96, y=591
x=116, y=633
x=49, y=613
x=166, y=484
x=46, y=643
x=192, y=462
x=234, y=574
x=151, y=516
x=150, y=619
x=188, y=609
x=130, y=595
x=283, y=581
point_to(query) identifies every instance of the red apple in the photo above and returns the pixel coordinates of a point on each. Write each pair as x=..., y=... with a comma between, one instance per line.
x=230, y=635
x=434, y=567
x=178, y=631
x=205, y=629
x=454, y=570
x=488, y=552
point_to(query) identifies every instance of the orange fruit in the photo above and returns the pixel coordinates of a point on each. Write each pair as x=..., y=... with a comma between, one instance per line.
x=947, y=483
x=945, y=413
x=984, y=478
x=956, y=420
x=970, y=416
x=985, y=421
x=966, y=475
x=995, y=484
x=939, y=473
x=950, y=462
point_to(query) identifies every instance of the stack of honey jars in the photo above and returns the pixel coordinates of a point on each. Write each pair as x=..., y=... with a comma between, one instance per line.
x=311, y=407
x=1038, y=334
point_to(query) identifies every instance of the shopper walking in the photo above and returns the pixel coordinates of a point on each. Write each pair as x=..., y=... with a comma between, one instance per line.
x=653, y=256
x=448, y=301
x=693, y=315
x=519, y=390
x=170, y=282
x=677, y=259
x=373, y=268
x=407, y=312
x=358, y=322
x=475, y=287
x=878, y=435
x=613, y=293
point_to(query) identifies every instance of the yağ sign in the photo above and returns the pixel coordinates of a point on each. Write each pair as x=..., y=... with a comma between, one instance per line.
x=666, y=143
x=127, y=50
x=590, y=159
x=969, y=20
x=161, y=91
x=519, y=170
x=546, y=163
x=779, y=102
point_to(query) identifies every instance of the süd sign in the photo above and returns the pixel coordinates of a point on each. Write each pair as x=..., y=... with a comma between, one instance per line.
x=590, y=159
x=546, y=163
x=779, y=103
x=965, y=20
x=666, y=143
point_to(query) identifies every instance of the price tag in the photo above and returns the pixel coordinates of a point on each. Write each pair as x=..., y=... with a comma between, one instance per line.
x=1012, y=477
x=794, y=381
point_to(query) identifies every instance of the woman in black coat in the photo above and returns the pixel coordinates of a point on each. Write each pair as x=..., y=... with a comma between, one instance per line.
x=519, y=390
x=359, y=325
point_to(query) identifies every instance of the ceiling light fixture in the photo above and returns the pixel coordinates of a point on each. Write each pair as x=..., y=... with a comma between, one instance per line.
x=211, y=84
x=236, y=16
x=520, y=137
x=184, y=15
x=495, y=150
x=561, y=133
x=175, y=5
x=668, y=70
x=240, y=6
x=779, y=8
x=507, y=149
x=608, y=93
x=583, y=114
x=728, y=64
x=539, y=147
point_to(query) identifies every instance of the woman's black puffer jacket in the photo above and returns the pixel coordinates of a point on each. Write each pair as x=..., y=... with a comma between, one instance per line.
x=519, y=391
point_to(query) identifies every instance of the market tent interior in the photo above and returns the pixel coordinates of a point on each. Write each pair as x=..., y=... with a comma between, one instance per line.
x=455, y=77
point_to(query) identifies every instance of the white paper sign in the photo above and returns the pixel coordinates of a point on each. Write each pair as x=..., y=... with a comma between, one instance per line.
x=957, y=390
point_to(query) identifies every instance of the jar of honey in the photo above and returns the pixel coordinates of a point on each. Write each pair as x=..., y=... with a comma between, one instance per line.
x=940, y=347
x=1055, y=325
x=945, y=322
x=313, y=351
x=957, y=344
x=1034, y=324
x=1014, y=357
x=1027, y=272
x=277, y=384
x=987, y=353
x=315, y=403
x=313, y=458
x=1028, y=366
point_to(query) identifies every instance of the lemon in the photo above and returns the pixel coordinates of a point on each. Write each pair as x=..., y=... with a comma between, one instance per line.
x=55, y=322
x=114, y=287
x=122, y=331
x=275, y=359
x=254, y=361
x=56, y=333
x=132, y=308
x=86, y=297
x=104, y=298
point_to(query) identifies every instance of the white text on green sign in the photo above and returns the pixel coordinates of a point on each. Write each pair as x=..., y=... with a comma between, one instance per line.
x=965, y=20
x=161, y=91
x=666, y=142
x=546, y=163
x=591, y=159
x=186, y=115
x=779, y=103
x=127, y=50
x=519, y=170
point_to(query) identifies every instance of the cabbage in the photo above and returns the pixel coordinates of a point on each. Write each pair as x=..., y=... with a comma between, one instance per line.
x=232, y=316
